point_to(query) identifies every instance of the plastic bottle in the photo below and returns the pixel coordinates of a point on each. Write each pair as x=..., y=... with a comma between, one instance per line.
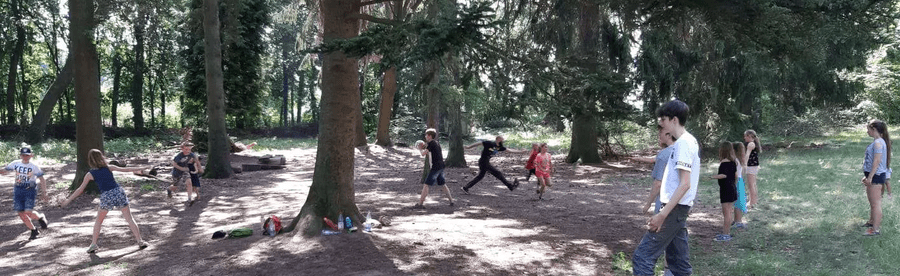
x=271, y=229
x=347, y=223
x=341, y=222
x=368, y=225
x=326, y=232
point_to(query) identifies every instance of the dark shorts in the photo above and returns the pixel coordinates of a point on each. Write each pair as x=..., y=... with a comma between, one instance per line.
x=195, y=180
x=727, y=193
x=435, y=177
x=878, y=179
x=23, y=198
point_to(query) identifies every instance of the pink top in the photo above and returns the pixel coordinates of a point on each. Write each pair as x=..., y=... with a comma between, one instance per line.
x=542, y=162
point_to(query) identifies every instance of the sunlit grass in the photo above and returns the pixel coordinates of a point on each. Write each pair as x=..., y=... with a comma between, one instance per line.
x=808, y=222
x=275, y=143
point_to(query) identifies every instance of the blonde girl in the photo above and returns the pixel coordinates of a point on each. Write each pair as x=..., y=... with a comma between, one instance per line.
x=543, y=169
x=751, y=159
x=112, y=196
x=875, y=167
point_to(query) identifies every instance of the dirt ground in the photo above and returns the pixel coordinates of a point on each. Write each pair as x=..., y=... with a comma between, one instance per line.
x=589, y=214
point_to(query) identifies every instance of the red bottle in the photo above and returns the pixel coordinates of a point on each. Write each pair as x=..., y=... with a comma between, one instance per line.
x=330, y=224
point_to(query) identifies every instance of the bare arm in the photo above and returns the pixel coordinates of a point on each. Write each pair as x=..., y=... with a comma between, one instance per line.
x=87, y=178
x=643, y=159
x=473, y=145
x=750, y=147
x=115, y=168
x=654, y=193
x=718, y=176
x=180, y=168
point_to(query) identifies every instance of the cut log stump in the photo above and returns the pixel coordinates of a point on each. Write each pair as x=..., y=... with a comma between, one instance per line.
x=251, y=167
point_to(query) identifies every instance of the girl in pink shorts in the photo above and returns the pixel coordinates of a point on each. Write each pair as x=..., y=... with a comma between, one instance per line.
x=543, y=168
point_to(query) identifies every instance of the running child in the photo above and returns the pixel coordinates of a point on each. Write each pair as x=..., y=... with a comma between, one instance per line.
x=741, y=204
x=26, y=190
x=544, y=168
x=878, y=155
x=112, y=196
x=491, y=148
x=434, y=172
x=752, y=160
x=185, y=162
x=529, y=165
x=727, y=190
x=667, y=231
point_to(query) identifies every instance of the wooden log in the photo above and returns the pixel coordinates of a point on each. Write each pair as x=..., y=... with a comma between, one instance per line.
x=274, y=160
x=237, y=169
x=271, y=167
x=251, y=167
x=143, y=161
x=120, y=163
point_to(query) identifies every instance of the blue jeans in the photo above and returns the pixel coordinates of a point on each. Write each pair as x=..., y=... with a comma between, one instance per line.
x=435, y=176
x=672, y=239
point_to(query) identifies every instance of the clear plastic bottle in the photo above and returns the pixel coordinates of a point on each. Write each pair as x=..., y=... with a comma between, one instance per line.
x=341, y=222
x=271, y=229
x=368, y=225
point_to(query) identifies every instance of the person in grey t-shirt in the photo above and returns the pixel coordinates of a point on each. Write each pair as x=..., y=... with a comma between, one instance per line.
x=659, y=166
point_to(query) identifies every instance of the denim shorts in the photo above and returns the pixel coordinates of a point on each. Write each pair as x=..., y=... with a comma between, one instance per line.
x=23, y=198
x=435, y=177
x=877, y=179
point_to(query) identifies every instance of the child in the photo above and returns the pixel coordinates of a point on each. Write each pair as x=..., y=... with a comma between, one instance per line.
x=26, y=190
x=112, y=196
x=529, y=165
x=727, y=190
x=741, y=203
x=544, y=169
x=751, y=159
x=185, y=161
x=435, y=170
x=659, y=166
x=878, y=155
x=491, y=148
x=667, y=231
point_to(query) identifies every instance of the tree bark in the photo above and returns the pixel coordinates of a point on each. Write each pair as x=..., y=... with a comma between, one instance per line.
x=219, y=164
x=360, y=140
x=433, y=95
x=388, y=90
x=137, y=82
x=89, y=130
x=284, y=84
x=332, y=191
x=456, y=155
x=117, y=81
x=584, y=140
x=13, y=63
x=35, y=133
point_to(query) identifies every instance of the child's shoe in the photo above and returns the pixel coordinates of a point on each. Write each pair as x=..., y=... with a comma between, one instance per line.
x=93, y=248
x=143, y=244
x=34, y=234
x=722, y=238
x=739, y=225
x=43, y=222
x=168, y=193
x=871, y=232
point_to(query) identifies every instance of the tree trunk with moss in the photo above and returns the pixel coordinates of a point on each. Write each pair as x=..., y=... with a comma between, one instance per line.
x=89, y=131
x=219, y=164
x=584, y=140
x=332, y=191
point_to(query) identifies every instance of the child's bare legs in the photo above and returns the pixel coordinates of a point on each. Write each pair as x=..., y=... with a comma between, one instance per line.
x=873, y=192
x=738, y=215
x=26, y=217
x=753, y=198
x=728, y=217
x=189, y=187
x=886, y=187
x=447, y=191
x=424, y=194
x=101, y=215
x=131, y=224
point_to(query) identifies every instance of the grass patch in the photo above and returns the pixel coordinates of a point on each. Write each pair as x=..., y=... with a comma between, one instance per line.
x=275, y=143
x=808, y=222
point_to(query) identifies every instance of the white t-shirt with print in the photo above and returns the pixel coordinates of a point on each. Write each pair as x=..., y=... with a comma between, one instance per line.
x=685, y=156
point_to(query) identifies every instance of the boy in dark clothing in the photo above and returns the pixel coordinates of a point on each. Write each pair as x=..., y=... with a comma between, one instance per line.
x=484, y=163
x=436, y=173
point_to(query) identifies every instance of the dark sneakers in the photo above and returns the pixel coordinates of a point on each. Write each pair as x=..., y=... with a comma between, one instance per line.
x=34, y=234
x=43, y=222
x=465, y=190
x=514, y=185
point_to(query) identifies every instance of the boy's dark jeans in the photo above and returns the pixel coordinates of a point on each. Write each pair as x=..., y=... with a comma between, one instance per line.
x=672, y=239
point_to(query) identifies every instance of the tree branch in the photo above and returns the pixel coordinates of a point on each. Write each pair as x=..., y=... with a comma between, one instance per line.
x=370, y=18
x=371, y=2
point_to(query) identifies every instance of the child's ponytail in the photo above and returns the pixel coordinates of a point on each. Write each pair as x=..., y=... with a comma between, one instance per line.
x=882, y=129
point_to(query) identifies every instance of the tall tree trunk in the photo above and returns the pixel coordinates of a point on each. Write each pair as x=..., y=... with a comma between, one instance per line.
x=456, y=156
x=219, y=164
x=35, y=133
x=152, y=86
x=285, y=76
x=117, y=81
x=433, y=97
x=23, y=99
x=332, y=191
x=137, y=82
x=13, y=63
x=584, y=140
x=388, y=90
x=88, y=127
x=301, y=89
x=360, y=140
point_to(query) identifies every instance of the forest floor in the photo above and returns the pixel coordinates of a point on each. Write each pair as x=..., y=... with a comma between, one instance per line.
x=590, y=214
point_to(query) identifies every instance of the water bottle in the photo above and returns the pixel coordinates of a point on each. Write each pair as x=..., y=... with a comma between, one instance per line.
x=368, y=225
x=341, y=222
x=326, y=232
x=271, y=229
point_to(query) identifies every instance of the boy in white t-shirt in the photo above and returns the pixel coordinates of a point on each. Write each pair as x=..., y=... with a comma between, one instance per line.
x=26, y=190
x=667, y=231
